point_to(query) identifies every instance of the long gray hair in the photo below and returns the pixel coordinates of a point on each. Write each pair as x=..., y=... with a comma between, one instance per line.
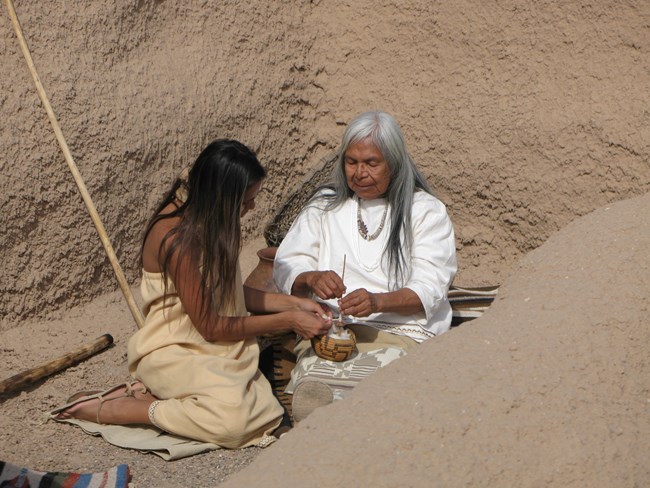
x=405, y=180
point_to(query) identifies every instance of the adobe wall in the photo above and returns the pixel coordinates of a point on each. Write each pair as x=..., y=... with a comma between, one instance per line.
x=522, y=117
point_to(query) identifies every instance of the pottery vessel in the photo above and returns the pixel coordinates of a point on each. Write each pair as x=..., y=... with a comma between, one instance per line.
x=261, y=278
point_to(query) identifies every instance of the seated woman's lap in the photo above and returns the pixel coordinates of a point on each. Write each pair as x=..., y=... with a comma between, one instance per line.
x=375, y=349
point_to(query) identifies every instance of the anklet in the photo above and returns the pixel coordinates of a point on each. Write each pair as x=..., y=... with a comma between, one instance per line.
x=150, y=412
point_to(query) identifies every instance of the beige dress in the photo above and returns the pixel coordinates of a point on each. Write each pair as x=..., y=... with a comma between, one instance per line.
x=211, y=392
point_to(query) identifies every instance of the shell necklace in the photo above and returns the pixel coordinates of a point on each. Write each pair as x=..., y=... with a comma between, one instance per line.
x=363, y=229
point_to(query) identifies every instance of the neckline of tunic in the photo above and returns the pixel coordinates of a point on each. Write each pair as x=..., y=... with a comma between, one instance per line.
x=370, y=248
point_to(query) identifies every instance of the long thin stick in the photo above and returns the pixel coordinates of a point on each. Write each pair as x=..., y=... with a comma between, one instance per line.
x=341, y=318
x=33, y=375
x=135, y=311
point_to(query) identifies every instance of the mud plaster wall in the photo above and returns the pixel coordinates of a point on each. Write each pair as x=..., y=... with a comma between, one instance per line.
x=521, y=116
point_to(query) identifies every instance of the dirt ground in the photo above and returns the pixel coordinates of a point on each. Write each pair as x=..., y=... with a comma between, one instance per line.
x=530, y=120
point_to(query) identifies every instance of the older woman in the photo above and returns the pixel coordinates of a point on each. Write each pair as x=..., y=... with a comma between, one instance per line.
x=397, y=242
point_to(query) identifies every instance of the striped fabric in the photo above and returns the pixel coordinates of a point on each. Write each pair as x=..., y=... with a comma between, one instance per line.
x=12, y=476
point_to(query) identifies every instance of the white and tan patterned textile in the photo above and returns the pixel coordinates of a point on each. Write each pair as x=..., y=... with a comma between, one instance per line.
x=375, y=349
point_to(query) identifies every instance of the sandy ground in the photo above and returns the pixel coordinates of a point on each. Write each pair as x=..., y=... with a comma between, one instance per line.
x=550, y=387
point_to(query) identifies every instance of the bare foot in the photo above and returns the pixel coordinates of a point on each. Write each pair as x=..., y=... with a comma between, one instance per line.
x=122, y=400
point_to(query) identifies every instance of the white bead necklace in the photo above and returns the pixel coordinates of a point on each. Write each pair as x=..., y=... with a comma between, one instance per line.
x=363, y=229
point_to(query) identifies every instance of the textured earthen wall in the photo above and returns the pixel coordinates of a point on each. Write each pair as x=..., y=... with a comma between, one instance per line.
x=138, y=88
x=523, y=116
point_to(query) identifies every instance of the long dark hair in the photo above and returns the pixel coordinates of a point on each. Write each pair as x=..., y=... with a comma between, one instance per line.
x=209, y=232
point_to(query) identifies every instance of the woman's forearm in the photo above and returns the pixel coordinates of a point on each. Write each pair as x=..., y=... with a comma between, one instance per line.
x=305, y=323
x=258, y=301
x=403, y=302
x=239, y=328
x=301, y=286
x=362, y=303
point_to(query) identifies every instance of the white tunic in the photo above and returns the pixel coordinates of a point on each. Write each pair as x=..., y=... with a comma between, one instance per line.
x=318, y=240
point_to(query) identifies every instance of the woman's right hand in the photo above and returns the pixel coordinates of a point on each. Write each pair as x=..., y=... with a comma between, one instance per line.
x=308, y=325
x=325, y=284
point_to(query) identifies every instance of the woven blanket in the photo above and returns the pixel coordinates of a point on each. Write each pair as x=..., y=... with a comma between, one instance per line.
x=12, y=476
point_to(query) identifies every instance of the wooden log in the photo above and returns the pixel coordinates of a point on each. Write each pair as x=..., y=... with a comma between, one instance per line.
x=33, y=375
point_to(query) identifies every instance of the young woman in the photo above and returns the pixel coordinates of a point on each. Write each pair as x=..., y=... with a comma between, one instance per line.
x=195, y=361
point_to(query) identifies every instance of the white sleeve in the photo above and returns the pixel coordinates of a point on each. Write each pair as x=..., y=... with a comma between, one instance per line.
x=299, y=250
x=433, y=264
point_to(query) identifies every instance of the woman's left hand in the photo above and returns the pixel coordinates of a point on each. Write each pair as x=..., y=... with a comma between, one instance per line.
x=308, y=305
x=359, y=303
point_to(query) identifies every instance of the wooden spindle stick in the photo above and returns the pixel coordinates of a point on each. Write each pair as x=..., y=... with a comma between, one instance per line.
x=341, y=321
x=33, y=375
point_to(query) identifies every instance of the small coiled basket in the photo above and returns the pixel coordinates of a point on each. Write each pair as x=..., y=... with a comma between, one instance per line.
x=334, y=348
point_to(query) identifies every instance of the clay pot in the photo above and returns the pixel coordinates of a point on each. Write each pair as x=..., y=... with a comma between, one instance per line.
x=276, y=350
x=334, y=348
x=261, y=278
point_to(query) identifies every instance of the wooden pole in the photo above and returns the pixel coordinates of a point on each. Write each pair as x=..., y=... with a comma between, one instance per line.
x=33, y=375
x=135, y=311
